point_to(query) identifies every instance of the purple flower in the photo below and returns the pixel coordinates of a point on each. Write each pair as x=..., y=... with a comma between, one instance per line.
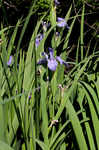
x=52, y=63
x=38, y=39
x=56, y=2
x=62, y=23
x=29, y=97
x=42, y=61
x=9, y=61
x=51, y=60
x=45, y=25
x=61, y=61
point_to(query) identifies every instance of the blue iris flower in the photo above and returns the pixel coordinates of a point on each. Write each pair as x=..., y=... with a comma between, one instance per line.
x=50, y=60
x=9, y=61
x=62, y=22
x=38, y=39
x=56, y=2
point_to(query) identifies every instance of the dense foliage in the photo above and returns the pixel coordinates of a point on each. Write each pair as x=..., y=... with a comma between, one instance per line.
x=49, y=75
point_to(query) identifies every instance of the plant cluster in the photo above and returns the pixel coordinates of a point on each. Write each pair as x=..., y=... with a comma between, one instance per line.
x=48, y=99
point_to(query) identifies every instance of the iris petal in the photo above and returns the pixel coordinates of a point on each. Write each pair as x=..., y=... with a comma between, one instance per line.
x=52, y=64
x=56, y=2
x=51, y=61
x=45, y=55
x=38, y=39
x=9, y=61
x=51, y=53
x=62, y=22
x=42, y=61
x=61, y=61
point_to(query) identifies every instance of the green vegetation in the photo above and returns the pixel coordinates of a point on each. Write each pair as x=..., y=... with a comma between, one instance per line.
x=42, y=108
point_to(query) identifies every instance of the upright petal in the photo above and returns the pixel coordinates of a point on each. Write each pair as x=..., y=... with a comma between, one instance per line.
x=56, y=2
x=51, y=53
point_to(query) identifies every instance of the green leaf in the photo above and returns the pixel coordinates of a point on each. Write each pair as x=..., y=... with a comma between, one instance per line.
x=3, y=48
x=3, y=30
x=42, y=145
x=4, y=146
x=81, y=96
x=44, y=109
x=82, y=32
x=25, y=25
x=52, y=15
x=52, y=143
x=70, y=90
x=59, y=141
x=94, y=117
x=92, y=92
x=76, y=126
x=12, y=40
x=2, y=126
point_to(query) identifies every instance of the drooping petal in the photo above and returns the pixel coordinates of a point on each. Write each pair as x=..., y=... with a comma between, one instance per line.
x=9, y=61
x=45, y=55
x=61, y=61
x=52, y=64
x=62, y=22
x=42, y=61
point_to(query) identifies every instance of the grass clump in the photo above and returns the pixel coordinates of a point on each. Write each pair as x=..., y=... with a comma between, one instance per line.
x=49, y=96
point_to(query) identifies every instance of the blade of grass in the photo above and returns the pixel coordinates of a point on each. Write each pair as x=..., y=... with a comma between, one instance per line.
x=25, y=26
x=41, y=144
x=82, y=32
x=76, y=126
x=81, y=96
x=68, y=13
x=94, y=116
x=68, y=35
x=5, y=29
x=4, y=146
x=58, y=134
x=3, y=47
x=58, y=142
x=92, y=92
x=77, y=53
x=97, y=86
x=2, y=129
x=44, y=109
x=12, y=40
